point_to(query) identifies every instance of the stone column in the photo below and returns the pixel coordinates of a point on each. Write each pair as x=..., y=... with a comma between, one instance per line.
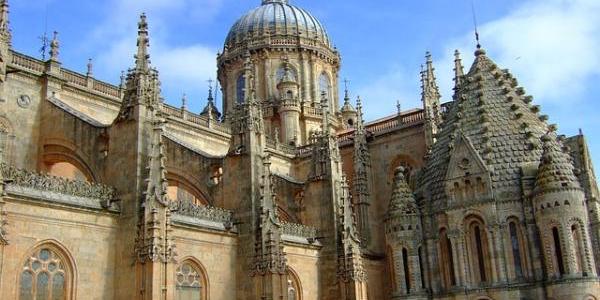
x=497, y=257
x=454, y=240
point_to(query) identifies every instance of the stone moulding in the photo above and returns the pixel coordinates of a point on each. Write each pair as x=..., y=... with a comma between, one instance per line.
x=58, y=190
x=188, y=213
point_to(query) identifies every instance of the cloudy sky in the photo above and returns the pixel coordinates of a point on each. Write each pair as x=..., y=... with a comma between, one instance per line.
x=552, y=46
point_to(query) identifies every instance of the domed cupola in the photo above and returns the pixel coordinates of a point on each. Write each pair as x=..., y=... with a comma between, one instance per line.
x=277, y=19
x=292, y=65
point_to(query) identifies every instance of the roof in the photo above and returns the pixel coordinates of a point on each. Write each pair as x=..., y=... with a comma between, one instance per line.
x=498, y=118
x=277, y=18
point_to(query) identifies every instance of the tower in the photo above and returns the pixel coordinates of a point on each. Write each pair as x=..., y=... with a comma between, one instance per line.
x=295, y=64
x=404, y=240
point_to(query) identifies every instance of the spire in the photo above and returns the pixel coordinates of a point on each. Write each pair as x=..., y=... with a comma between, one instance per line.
x=4, y=22
x=556, y=169
x=90, y=67
x=142, y=57
x=458, y=69
x=325, y=110
x=403, y=200
x=54, y=47
x=210, y=110
x=362, y=171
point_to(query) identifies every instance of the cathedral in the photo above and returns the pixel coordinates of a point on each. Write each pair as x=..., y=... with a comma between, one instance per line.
x=285, y=192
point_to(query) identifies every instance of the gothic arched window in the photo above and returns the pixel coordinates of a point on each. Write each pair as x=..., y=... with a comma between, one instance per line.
x=294, y=287
x=558, y=256
x=406, y=269
x=191, y=282
x=46, y=275
x=478, y=249
x=240, y=86
x=324, y=86
x=518, y=254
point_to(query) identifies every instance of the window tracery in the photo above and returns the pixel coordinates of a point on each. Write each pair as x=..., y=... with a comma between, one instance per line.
x=191, y=282
x=45, y=276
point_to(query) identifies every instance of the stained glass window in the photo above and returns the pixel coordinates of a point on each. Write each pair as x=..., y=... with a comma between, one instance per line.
x=43, y=276
x=190, y=282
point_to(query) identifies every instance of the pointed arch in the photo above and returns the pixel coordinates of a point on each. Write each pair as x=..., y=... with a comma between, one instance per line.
x=48, y=272
x=294, y=288
x=517, y=253
x=191, y=280
x=63, y=160
x=478, y=249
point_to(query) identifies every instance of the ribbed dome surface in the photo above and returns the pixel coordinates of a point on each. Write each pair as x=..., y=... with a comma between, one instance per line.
x=277, y=18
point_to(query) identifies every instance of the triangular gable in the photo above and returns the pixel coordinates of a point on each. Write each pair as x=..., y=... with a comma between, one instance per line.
x=464, y=160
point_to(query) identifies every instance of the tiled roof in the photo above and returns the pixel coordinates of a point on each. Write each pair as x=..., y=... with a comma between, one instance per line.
x=498, y=118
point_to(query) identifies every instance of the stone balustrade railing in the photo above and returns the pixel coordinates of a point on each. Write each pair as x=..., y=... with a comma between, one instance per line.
x=299, y=230
x=208, y=213
x=37, y=66
x=197, y=119
x=25, y=180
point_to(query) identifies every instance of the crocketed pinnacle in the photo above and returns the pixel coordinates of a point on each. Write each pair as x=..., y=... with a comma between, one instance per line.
x=556, y=169
x=403, y=201
x=458, y=69
x=142, y=58
x=4, y=22
x=496, y=115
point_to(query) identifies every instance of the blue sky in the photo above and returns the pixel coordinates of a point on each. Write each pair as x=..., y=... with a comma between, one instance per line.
x=551, y=46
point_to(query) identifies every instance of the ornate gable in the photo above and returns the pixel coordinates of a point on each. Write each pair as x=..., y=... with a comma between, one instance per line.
x=467, y=177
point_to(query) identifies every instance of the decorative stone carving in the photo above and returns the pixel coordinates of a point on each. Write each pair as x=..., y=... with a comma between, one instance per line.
x=299, y=230
x=24, y=101
x=24, y=178
x=209, y=213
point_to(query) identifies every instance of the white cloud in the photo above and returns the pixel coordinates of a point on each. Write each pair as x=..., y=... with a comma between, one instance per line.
x=550, y=46
x=399, y=84
x=183, y=68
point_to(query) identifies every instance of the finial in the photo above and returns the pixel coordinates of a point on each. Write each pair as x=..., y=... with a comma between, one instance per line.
x=346, y=93
x=399, y=107
x=580, y=131
x=142, y=57
x=54, y=47
x=90, y=67
x=358, y=102
x=479, y=50
x=210, y=90
x=184, y=102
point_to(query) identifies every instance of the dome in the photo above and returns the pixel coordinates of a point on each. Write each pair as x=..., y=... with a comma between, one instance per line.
x=277, y=18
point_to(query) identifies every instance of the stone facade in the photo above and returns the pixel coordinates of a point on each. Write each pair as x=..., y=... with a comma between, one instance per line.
x=107, y=192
